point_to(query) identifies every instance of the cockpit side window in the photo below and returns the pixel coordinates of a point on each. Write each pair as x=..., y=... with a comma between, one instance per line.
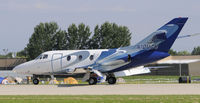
x=39, y=57
x=45, y=56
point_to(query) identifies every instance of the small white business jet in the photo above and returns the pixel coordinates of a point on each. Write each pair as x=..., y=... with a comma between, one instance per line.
x=106, y=64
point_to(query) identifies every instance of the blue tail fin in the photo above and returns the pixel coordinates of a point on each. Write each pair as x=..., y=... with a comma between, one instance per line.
x=164, y=37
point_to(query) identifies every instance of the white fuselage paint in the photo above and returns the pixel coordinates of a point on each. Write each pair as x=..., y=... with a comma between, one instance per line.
x=57, y=61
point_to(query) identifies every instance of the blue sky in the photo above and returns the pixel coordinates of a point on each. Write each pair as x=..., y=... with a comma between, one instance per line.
x=19, y=17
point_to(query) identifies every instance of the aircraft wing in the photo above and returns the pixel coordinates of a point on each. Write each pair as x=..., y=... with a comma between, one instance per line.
x=137, y=71
x=133, y=71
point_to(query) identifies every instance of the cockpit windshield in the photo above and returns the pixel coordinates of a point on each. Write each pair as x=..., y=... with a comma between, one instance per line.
x=45, y=56
x=42, y=56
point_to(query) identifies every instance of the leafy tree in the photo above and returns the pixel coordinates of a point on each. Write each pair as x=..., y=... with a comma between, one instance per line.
x=196, y=51
x=183, y=53
x=110, y=35
x=180, y=53
x=48, y=36
x=42, y=39
x=9, y=55
x=78, y=37
x=60, y=40
x=96, y=37
x=22, y=53
x=172, y=52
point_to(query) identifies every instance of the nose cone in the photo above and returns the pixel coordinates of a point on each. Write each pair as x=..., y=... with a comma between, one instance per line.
x=18, y=69
x=24, y=68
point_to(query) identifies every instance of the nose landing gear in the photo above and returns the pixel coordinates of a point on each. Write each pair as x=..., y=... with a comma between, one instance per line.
x=36, y=81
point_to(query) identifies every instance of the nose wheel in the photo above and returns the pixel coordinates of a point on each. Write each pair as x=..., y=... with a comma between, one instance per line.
x=36, y=81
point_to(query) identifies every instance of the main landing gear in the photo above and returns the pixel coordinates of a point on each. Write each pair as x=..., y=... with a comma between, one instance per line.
x=94, y=79
x=111, y=80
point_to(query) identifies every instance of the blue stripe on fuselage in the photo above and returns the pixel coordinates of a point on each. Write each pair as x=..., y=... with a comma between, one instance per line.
x=106, y=53
x=142, y=59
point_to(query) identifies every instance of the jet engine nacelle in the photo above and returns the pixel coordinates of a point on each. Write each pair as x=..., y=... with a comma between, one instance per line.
x=116, y=60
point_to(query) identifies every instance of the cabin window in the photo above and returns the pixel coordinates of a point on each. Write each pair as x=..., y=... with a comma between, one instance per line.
x=68, y=58
x=80, y=57
x=45, y=56
x=91, y=57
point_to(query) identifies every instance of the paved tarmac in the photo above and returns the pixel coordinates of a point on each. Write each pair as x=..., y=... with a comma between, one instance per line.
x=118, y=89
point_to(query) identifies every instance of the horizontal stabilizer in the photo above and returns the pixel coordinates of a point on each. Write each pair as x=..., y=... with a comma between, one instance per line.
x=185, y=36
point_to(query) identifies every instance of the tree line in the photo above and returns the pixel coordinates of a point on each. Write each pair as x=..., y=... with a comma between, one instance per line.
x=49, y=36
x=195, y=51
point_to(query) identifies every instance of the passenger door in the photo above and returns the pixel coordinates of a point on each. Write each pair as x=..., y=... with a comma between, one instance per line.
x=56, y=62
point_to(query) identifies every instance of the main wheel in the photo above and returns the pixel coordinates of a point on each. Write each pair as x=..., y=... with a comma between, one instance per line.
x=111, y=80
x=92, y=81
x=36, y=81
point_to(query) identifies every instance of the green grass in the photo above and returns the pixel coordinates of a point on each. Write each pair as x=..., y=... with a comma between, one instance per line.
x=102, y=99
x=148, y=79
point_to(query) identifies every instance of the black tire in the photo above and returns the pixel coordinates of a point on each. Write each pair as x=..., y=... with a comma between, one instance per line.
x=92, y=81
x=180, y=80
x=111, y=80
x=36, y=81
x=184, y=79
